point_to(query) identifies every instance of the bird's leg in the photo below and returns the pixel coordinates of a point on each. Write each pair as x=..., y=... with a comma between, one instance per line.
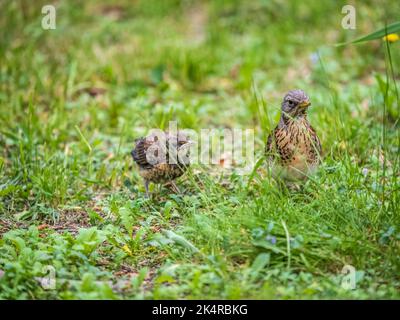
x=175, y=187
x=146, y=186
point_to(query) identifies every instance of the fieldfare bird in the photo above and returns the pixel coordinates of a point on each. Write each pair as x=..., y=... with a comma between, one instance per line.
x=162, y=157
x=293, y=148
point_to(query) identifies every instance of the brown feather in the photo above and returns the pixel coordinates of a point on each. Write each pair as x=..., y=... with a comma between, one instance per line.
x=294, y=146
x=162, y=170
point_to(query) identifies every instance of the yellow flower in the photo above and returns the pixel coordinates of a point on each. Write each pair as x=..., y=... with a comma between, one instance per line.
x=392, y=37
x=127, y=250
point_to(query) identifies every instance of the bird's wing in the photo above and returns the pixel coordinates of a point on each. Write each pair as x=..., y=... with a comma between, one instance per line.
x=277, y=146
x=139, y=153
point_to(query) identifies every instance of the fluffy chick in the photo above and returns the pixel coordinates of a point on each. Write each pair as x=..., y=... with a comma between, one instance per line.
x=162, y=157
x=293, y=148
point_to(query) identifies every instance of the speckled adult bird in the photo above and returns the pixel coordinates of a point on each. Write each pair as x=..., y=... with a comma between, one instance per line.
x=162, y=157
x=293, y=148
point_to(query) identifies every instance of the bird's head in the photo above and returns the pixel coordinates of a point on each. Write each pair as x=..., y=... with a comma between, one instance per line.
x=180, y=144
x=178, y=140
x=295, y=103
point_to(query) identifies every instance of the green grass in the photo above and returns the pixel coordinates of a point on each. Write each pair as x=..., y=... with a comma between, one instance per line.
x=71, y=198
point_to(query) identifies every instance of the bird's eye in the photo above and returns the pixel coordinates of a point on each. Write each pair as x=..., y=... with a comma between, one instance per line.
x=291, y=102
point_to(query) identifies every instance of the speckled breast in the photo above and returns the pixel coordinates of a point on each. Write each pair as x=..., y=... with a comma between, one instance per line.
x=299, y=150
x=162, y=172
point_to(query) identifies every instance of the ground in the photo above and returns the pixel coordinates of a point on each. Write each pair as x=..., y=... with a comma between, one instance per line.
x=74, y=99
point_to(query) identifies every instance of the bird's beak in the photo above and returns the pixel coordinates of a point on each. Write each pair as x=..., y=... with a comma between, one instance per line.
x=305, y=104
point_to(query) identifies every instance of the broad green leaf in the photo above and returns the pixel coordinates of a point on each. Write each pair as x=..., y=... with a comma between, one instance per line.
x=126, y=218
x=181, y=240
x=268, y=246
x=259, y=263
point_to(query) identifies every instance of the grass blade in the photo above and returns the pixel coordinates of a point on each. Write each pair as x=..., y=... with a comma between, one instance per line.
x=392, y=28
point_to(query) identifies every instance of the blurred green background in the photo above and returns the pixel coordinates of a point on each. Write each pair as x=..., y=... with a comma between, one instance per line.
x=73, y=100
